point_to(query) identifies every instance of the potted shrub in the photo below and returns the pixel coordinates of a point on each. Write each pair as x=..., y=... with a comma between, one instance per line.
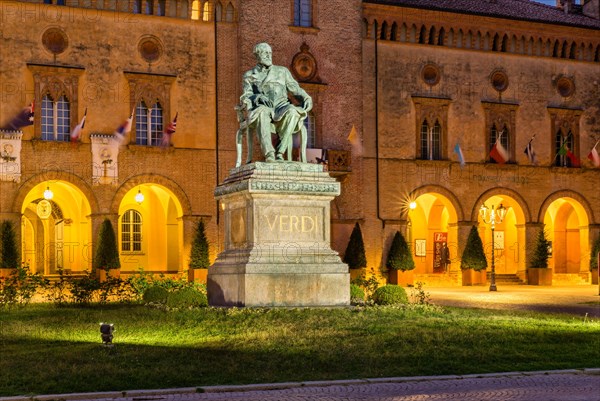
x=400, y=262
x=538, y=272
x=199, y=261
x=106, y=261
x=9, y=253
x=355, y=255
x=473, y=262
x=594, y=260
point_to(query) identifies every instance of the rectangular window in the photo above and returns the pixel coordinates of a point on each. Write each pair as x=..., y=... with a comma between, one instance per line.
x=302, y=13
x=56, y=119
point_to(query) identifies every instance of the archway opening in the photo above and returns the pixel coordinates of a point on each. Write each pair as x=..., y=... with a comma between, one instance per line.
x=150, y=231
x=567, y=227
x=431, y=226
x=509, y=237
x=56, y=229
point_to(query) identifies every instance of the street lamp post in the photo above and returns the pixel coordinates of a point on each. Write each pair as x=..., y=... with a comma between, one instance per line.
x=492, y=217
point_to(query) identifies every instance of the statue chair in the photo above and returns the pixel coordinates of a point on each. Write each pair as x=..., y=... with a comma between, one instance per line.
x=245, y=129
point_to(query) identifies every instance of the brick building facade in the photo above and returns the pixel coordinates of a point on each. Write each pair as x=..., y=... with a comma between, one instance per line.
x=397, y=86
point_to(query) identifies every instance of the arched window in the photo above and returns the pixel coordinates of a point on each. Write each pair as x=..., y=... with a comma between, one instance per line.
x=137, y=7
x=196, y=9
x=441, y=37
x=432, y=36
x=206, y=11
x=431, y=140
x=422, y=34
x=56, y=118
x=229, y=13
x=131, y=231
x=502, y=136
x=219, y=11
x=161, y=8
x=148, y=124
x=149, y=7
x=302, y=13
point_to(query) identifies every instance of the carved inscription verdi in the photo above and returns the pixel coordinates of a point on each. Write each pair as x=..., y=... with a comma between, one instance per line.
x=291, y=224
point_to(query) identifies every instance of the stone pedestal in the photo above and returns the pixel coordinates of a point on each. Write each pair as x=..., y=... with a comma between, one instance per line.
x=277, y=239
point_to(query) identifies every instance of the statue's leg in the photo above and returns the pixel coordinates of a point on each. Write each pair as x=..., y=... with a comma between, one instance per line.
x=303, y=140
x=285, y=129
x=249, y=145
x=238, y=148
x=263, y=131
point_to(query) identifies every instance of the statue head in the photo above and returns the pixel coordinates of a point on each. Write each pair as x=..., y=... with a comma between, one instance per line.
x=263, y=53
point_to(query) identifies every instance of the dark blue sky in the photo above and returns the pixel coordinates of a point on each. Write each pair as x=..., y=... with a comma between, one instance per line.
x=549, y=2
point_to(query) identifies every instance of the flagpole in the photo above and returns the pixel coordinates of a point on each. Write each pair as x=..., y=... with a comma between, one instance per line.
x=561, y=146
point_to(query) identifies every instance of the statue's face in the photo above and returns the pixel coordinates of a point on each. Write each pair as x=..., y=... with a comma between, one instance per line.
x=263, y=56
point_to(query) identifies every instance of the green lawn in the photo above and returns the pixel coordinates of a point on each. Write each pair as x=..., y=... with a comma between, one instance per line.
x=45, y=349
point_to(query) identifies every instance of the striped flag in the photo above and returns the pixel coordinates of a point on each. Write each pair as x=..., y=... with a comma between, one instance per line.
x=77, y=130
x=124, y=128
x=23, y=119
x=169, y=130
x=498, y=152
x=461, y=158
x=530, y=152
x=594, y=157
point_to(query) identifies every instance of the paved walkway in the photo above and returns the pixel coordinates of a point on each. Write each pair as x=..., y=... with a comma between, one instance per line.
x=572, y=385
x=576, y=300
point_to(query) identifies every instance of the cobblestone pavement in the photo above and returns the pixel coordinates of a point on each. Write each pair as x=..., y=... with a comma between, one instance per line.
x=580, y=385
x=575, y=300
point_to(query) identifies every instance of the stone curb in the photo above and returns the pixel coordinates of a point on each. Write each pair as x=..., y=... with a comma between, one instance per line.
x=285, y=385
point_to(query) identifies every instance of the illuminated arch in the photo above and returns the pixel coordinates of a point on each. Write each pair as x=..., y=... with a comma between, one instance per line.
x=136, y=181
x=581, y=201
x=448, y=196
x=510, y=238
x=433, y=221
x=524, y=214
x=160, y=205
x=51, y=176
x=566, y=218
x=61, y=238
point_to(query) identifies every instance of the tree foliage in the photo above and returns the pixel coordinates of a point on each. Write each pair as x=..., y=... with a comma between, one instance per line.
x=9, y=252
x=355, y=255
x=541, y=252
x=107, y=253
x=400, y=256
x=199, y=253
x=473, y=256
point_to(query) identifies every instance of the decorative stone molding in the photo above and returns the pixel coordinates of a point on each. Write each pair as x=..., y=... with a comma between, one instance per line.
x=566, y=119
x=105, y=153
x=501, y=114
x=10, y=155
x=432, y=109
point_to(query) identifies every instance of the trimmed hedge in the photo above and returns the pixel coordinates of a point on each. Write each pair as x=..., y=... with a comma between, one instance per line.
x=156, y=295
x=186, y=298
x=390, y=295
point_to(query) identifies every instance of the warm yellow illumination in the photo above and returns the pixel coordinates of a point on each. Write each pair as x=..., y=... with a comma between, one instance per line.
x=195, y=10
x=48, y=194
x=412, y=205
x=139, y=197
x=206, y=12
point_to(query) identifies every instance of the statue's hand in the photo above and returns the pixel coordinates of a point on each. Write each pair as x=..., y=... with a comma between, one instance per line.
x=262, y=99
x=247, y=104
x=307, y=104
